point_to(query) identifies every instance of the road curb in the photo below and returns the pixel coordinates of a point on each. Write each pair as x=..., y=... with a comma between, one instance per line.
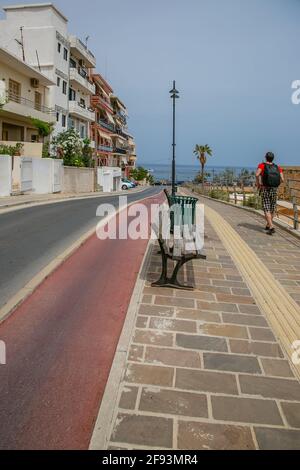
x=4, y=209
x=108, y=408
x=17, y=299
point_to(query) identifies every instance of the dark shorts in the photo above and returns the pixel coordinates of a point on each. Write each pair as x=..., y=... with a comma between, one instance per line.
x=269, y=199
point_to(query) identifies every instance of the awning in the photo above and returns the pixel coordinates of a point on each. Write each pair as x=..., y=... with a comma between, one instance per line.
x=104, y=135
x=110, y=118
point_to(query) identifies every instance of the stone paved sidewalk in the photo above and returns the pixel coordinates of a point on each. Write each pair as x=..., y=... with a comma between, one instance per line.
x=204, y=369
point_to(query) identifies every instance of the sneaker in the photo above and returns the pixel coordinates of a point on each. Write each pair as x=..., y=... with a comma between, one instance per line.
x=267, y=227
x=271, y=231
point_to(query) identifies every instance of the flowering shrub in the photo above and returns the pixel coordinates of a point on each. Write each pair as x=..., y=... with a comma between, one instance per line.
x=68, y=146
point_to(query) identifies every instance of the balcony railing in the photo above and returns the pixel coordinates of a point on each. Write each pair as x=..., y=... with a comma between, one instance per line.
x=30, y=104
x=80, y=76
x=107, y=125
x=120, y=150
x=99, y=100
x=105, y=148
x=81, y=109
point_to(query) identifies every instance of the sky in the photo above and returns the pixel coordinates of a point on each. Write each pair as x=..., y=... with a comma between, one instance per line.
x=234, y=62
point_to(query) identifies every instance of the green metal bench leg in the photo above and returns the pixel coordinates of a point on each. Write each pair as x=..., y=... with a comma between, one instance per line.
x=164, y=280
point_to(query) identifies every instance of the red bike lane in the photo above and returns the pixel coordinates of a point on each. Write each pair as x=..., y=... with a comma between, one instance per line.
x=61, y=343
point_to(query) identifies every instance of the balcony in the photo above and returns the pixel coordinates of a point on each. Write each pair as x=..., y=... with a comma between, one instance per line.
x=105, y=148
x=120, y=151
x=106, y=125
x=78, y=75
x=85, y=54
x=21, y=106
x=101, y=102
x=81, y=111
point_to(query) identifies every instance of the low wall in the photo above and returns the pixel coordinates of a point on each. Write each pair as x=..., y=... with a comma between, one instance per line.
x=78, y=180
x=291, y=179
x=32, y=149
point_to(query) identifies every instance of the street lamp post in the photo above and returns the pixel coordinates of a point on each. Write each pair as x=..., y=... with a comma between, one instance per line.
x=174, y=94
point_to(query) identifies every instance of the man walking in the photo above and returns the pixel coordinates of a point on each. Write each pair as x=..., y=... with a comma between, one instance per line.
x=268, y=178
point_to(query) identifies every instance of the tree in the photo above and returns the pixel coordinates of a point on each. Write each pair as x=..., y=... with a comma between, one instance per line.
x=68, y=145
x=199, y=176
x=140, y=174
x=44, y=128
x=202, y=151
x=87, y=153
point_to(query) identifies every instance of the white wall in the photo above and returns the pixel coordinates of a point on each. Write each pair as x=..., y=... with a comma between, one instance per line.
x=43, y=175
x=5, y=175
x=109, y=178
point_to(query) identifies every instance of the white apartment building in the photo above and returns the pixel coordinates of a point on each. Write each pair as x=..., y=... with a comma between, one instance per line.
x=82, y=88
x=38, y=34
x=25, y=93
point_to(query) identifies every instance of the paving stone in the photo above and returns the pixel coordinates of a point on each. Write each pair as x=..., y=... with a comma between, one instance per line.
x=128, y=397
x=241, y=291
x=155, y=310
x=292, y=413
x=159, y=338
x=147, y=299
x=206, y=436
x=270, y=388
x=204, y=381
x=262, y=334
x=250, y=309
x=231, y=362
x=150, y=375
x=217, y=306
x=198, y=315
x=277, y=439
x=150, y=431
x=195, y=295
x=256, y=348
x=235, y=299
x=174, y=301
x=230, y=331
x=136, y=353
x=225, y=283
x=241, y=319
x=277, y=367
x=245, y=410
x=159, y=291
x=141, y=322
x=173, y=325
x=174, y=402
x=213, y=289
x=234, y=278
x=173, y=357
x=204, y=343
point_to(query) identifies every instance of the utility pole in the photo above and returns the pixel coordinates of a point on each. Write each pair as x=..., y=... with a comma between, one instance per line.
x=22, y=42
x=174, y=95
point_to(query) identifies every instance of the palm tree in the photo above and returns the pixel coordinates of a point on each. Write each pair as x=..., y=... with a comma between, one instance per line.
x=202, y=151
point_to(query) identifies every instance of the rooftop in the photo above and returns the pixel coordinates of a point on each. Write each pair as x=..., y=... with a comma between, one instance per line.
x=34, y=5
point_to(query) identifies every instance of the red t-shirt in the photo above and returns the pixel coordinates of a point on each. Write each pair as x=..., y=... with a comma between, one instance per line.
x=261, y=166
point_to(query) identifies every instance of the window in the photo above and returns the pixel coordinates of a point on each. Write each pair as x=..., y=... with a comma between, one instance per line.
x=82, y=131
x=14, y=91
x=64, y=88
x=72, y=95
x=58, y=47
x=37, y=100
x=64, y=120
x=57, y=117
x=65, y=53
x=82, y=103
x=58, y=81
x=73, y=64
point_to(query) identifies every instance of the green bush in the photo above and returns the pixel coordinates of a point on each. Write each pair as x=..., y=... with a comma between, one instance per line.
x=253, y=201
x=11, y=149
x=219, y=194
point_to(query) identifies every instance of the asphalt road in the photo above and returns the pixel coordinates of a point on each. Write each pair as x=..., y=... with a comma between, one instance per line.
x=61, y=340
x=32, y=237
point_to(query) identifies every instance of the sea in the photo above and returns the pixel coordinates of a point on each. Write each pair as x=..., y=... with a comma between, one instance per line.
x=189, y=172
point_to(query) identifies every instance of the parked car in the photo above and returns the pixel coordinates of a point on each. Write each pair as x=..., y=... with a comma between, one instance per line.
x=126, y=184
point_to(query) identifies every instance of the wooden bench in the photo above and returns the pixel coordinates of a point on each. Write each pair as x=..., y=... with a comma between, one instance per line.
x=180, y=239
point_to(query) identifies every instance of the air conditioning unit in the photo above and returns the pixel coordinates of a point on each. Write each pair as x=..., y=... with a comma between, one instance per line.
x=34, y=83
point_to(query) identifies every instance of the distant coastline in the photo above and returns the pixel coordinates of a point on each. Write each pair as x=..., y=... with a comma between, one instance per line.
x=188, y=172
